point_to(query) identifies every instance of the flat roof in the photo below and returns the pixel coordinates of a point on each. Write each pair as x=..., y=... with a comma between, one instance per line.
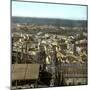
x=25, y=71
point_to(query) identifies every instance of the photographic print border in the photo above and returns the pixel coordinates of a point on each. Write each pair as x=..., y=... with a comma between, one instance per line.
x=46, y=3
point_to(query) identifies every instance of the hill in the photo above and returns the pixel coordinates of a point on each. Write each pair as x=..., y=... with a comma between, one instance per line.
x=51, y=21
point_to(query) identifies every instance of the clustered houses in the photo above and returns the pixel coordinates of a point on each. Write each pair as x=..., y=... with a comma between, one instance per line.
x=63, y=45
x=58, y=53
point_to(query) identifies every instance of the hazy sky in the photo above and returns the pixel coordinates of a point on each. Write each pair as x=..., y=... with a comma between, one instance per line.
x=29, y=9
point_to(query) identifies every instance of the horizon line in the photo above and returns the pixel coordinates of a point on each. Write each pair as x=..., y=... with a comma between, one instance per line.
x=51, y=18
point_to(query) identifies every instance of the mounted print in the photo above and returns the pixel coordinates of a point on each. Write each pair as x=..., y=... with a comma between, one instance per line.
x=49, y=45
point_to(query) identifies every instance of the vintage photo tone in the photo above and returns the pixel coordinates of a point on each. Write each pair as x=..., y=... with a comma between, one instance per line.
x=49, y=45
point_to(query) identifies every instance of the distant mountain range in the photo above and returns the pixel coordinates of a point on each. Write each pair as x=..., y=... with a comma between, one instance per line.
x=52, y=21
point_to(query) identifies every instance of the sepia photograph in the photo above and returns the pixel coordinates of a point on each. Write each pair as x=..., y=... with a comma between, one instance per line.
x=49, y=44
